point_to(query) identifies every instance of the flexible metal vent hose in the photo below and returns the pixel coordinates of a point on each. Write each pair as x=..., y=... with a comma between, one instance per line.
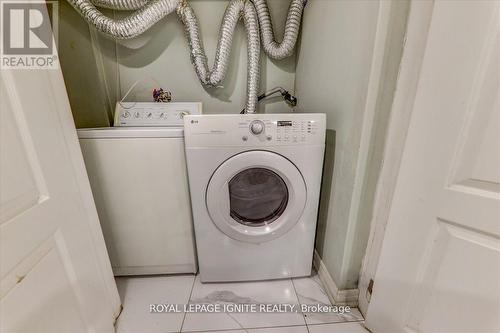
x=148, y=12
x=121, y=4
x=214, y=77
x=272, y=48
x=130, y=26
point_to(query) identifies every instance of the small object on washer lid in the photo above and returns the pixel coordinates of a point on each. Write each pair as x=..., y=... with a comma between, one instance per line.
x=161, y=95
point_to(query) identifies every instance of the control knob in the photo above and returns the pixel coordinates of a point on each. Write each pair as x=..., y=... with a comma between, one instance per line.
x=257, y=127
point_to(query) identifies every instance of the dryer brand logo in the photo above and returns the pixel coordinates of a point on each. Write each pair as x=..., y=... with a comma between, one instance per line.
x=28, y=41
x=194, y=121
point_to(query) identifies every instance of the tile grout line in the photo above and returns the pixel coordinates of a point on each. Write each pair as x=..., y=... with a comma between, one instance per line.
x=337, y=322
x=298, y=301
x=241, y=327
x=237, y=322
x=189, y=299
x=215, y=330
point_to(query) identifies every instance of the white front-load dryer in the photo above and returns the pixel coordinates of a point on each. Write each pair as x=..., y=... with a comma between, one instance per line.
x=254, y=183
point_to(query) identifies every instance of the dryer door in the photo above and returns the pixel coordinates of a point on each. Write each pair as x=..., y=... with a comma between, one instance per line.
x=256, y=196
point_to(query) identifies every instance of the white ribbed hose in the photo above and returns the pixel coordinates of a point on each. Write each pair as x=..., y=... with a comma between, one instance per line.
x=215, y=76
x=148, y=12
x=130, y=26
x=283, y=49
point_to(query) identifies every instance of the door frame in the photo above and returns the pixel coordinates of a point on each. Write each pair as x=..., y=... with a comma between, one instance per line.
x=419, y=19
x=71, y=140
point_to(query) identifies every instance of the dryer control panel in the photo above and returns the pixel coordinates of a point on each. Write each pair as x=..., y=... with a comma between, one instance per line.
x=255, y=130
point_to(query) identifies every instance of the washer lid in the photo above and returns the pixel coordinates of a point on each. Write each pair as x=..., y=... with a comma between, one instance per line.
x=256, y=196
x=130, y=132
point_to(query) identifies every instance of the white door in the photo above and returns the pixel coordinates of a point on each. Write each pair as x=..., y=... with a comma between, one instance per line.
x=439, y=269
x=256, y=202
x=55, y=274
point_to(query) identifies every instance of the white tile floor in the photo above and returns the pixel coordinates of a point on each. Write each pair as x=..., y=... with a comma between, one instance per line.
x=137, y=293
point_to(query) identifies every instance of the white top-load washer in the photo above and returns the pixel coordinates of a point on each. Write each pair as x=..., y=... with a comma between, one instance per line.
x=139, y=181
x=255, y=183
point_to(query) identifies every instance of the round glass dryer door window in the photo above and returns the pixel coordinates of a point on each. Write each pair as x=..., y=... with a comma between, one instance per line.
x=256, y=196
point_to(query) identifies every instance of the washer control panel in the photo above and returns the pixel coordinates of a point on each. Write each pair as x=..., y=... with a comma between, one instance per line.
x=154, y=114
x=255, y=129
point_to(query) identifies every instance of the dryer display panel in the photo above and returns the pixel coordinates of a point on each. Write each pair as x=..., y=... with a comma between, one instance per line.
x=281, y=123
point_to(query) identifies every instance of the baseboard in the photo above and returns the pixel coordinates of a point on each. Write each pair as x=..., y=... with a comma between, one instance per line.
x=346, y=296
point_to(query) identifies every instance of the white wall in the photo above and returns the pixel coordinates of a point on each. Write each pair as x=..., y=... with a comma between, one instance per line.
x=356, y=68
x=81, y=73
x=333, y=71
x=162, y=55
